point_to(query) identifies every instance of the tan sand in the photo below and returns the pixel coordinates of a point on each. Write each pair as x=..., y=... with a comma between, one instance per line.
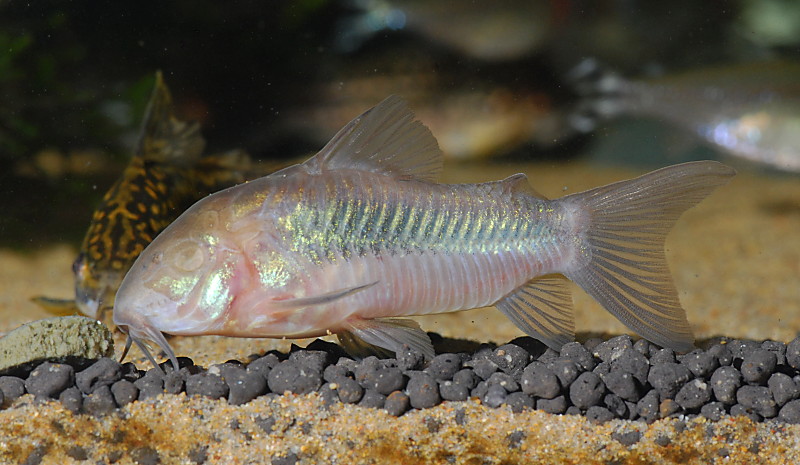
x=735, y=259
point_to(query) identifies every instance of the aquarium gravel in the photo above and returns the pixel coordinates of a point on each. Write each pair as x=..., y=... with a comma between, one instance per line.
x=603, y=380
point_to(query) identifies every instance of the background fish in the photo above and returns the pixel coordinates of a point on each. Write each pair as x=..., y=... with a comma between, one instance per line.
x=164, y=177
x=750, y=111
x=361, y=235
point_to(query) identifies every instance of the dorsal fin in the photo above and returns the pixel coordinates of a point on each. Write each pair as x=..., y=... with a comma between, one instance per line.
x=164, y=138
x=385, y=139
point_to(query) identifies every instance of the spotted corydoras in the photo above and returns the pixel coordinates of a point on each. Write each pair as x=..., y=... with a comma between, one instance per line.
x=361, y=235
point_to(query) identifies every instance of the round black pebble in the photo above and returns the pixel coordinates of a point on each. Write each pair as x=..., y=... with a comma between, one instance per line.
x=725, y=382
x=566, y=370
x=510, y=358
x=597, y=414
x=790, y=413
x=495, y=396
x=519, y=401
x=484, y=368
x=648, y=406
x=397, y=403
x=783, y=388
x=793, y=353
x=757, y=399
x=263, y=365
x=722, y=353
x=12, y=387
x=623, y=384
x=609, y=350
x=288, y=376
x=348, y=389
x=71, y=399
x=385, y=380
x=206, y=384
x=579, y=354
x=450, y=390
x=587, y=390
x=100, y=401
x=540, y=381
x=423, y=391
x=313, y=359
x=667, y=378
x=124, y=392
x=758, y=366
x=693, y=394
x=466, y=378
x=557, y=405
x=174, y=382
x=103, y=372
x=443, y=366
x=627, y=438
x=503, y=380
x=149, y=386
x=49, y=379
x=372, y=399
x=713, y=411
x=244, y=386
x=701, y=364
x=409, y=359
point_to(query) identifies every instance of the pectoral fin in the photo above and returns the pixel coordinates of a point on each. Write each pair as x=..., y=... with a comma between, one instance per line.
x=385, y=335
x=302, y=302
x=542, y=308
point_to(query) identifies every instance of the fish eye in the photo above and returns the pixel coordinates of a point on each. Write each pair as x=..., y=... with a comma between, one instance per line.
x=187, y=256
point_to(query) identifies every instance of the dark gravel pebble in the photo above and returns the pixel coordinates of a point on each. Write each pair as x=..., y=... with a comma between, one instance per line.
x=103, y=372
x=145, y=456
x=713, y=411
x=49, y=379
x=511, y=359
x=627, y=380
x=793, y=353
x=443, y=366
x=198, y=455
x=397, y=403
x=519, y=401
x=587, y=390
x=757, y=399
x=783, y=388
x=623, y=384
x=423, y=391
x=72, y=399
x=289, y=458
x=297, y=379
x=701, y=364
x=124, y=392
x=790, y=413
x=693, y=394
x=206, y=384
x=758, y=366
x=12, y=388
x=668, y=378
x=540, y=381
x=348, y=389
x=100, y=401
x=450, y=390
x=372, y=399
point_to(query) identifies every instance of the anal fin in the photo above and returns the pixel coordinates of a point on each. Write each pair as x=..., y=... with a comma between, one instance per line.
x=385, y=335
x=542, y=308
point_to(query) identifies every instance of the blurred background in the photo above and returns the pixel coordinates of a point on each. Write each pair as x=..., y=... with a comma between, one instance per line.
x=501, y=80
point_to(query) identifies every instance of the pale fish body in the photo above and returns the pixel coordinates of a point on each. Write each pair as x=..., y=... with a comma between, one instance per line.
x=748, y=110
x=361, y=234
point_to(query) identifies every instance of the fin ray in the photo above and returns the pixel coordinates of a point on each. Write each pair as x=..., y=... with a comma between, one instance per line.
x=385, y=139
x=390, y=334
x=542, y=308
x=301, y=302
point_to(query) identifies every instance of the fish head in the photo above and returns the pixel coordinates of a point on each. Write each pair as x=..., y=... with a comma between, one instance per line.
x=183, y=282
x=94, y=288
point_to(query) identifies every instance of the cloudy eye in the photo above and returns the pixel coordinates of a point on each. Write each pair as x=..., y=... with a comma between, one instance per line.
x=187, y=256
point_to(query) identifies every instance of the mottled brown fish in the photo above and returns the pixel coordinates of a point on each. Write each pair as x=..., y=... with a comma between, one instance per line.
x=164, y=177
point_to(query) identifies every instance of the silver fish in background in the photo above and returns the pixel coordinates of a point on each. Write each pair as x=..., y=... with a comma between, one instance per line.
x=495, y=30
x=751, y=111
x=361, y=235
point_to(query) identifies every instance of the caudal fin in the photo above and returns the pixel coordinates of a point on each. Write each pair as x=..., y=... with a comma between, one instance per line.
x=622, y=262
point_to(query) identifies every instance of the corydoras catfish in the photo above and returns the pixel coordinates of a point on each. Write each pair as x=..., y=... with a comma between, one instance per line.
x=361, y=235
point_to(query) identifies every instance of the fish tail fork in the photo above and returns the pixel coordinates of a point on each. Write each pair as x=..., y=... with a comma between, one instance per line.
x=620, y=258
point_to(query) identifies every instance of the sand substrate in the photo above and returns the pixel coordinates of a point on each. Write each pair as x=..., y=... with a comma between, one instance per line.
x=735, y=259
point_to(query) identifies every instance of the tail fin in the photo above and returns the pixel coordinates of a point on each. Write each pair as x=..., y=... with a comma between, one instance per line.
x=624, y=266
